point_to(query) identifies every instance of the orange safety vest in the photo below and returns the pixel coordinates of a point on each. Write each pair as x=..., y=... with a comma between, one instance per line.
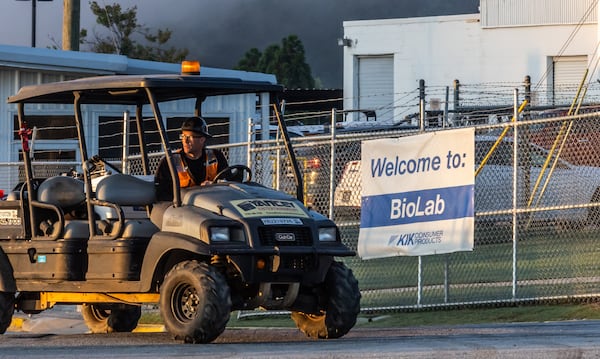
x=185, y=178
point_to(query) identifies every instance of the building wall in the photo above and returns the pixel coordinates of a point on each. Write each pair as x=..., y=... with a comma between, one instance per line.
x=442, y=49
x=20, y=66
x=7, y=86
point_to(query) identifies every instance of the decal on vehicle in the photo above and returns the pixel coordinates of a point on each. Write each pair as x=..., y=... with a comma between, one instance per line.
x=285, y=237
x=9, y=217
x=268, y=207
x=278, y=221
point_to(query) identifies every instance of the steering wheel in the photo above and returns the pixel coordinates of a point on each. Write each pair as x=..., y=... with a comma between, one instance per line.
x=234, y=173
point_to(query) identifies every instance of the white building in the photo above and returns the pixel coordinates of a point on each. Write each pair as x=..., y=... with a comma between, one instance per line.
x=20, y=66
x=552, y=41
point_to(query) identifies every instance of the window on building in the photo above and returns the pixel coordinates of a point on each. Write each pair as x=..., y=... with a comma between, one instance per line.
x=110, y=136
x=54, y=138
x=110, y=131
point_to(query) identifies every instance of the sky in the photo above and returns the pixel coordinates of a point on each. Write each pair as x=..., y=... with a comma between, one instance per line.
x=219, y=32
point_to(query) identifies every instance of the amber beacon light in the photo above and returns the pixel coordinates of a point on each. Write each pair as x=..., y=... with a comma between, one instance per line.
x=190, y=68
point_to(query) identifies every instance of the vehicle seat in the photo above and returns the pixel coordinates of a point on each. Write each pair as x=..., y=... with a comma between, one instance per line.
x=126, y=190
x=62, y=191
x=65, y=193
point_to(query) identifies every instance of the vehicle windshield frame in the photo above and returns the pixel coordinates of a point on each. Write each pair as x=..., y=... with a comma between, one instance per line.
x=134, y=90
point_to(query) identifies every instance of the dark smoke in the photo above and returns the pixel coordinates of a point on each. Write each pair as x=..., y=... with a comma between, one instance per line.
x=218, y=33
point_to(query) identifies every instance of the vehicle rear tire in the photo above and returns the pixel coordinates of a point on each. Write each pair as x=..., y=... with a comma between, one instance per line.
x=111, y=318
x=343, y=306
x=195, y=302
x=7, y=308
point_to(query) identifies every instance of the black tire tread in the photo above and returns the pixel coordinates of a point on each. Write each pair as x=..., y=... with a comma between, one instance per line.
x=210, y=320
x=115, y=318
x=7, y=308
x=343, y=306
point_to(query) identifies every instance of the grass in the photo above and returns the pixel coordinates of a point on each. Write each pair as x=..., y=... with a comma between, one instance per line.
x=550, y=263
x=537, y=313
x=541, y=313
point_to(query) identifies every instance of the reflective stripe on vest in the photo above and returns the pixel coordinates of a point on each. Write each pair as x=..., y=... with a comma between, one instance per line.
x=185, y=179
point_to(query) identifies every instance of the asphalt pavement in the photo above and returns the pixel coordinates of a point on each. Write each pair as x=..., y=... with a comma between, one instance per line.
x=563, y=339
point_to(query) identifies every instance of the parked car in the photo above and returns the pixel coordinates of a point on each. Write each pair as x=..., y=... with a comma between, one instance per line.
x=559, y=184
x=579, y=139
x=309, y=163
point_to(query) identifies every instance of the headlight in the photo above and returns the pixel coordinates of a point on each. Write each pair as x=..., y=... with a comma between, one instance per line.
x=327, y=234
x=219, y=234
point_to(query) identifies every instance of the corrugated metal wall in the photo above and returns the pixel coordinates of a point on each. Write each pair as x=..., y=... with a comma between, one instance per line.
x=500, y=13
x=8, y=87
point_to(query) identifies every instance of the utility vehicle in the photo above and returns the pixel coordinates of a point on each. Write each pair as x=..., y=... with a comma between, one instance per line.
x=80, y=238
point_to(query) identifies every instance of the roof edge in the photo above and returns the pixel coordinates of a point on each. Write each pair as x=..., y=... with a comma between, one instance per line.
x=74, y=61
x=103, y=64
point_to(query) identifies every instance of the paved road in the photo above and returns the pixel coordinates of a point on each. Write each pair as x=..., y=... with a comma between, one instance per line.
x=59, y=334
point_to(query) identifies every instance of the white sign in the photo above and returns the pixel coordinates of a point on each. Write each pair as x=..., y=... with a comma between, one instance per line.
x=417, y=195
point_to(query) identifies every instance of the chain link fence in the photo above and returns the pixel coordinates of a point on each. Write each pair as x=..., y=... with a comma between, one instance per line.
x=535, y=234
x=537, y=219
x=537, y=215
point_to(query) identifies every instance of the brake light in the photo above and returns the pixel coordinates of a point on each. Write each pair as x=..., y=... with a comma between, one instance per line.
x=313, y=163
x=190, y=67
x=261, y=264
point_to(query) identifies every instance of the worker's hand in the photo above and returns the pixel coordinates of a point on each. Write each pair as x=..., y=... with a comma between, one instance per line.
x=206, y=182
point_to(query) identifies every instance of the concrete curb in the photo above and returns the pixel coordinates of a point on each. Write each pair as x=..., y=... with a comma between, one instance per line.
x=150, y=328
x=16, y=324
x=65, y=325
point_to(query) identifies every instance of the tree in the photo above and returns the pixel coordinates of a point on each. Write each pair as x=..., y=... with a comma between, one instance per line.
x=287, y=62
x=250, y=60
x=122, y=25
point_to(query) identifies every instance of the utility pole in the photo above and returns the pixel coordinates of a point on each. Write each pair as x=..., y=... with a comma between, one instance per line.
x=71, y=22
x=33, y=20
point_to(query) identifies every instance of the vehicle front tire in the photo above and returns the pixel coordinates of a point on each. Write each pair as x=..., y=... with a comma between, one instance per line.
x=111, y=318
x=195, y=302
x=343, y=306
x=7, y=308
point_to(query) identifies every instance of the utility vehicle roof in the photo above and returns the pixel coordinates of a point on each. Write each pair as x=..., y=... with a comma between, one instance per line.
x=131, y=89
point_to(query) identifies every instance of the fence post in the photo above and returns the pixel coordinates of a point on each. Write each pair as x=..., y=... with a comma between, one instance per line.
x=527, y=83
x=445, y=121
x=420, y=281
x=524, y=152
x=125, y=154
x=456, y=95
x=446, y=277
x=421, y=105
x=514, y=199
x=332, y=164
x=249, y=142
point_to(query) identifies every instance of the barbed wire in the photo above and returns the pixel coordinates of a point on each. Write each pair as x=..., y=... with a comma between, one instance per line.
x=475, y=101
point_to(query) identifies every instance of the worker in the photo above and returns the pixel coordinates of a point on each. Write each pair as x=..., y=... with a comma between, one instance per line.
x=196, y=165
